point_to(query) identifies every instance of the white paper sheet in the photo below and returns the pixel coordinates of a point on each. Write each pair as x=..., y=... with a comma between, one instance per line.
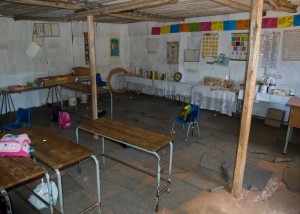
x=32, y=50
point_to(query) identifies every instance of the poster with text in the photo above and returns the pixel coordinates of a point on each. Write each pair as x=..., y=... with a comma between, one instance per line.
x=239, y=46
x=114, y=47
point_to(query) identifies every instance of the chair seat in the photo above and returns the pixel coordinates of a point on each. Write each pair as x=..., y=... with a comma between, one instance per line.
x=12, y=126
x=177, y=119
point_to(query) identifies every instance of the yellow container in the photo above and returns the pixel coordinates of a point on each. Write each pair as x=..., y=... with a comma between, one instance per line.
x=154, y=75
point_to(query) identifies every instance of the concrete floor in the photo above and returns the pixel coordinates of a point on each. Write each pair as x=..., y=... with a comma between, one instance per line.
x=202, y=167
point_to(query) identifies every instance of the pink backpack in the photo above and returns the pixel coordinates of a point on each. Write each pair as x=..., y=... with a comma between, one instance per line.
x=64, y=120
x=14, y=145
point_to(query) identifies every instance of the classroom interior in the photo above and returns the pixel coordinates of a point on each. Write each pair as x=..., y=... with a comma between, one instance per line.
x=153, y=58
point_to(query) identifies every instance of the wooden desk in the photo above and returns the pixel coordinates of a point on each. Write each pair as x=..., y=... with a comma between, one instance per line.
x=86, y=89
x=141, y=139
x=18, y=170
x=294, y=119
x=58, y=153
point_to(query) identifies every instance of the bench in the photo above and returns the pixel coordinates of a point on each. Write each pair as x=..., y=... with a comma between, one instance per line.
x=141, y=139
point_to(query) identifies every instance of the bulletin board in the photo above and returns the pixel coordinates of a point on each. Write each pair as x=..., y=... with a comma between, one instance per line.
x=173, y=52
x=210, y=45
x=291, y=45
x=114, y=47
x=239, y=46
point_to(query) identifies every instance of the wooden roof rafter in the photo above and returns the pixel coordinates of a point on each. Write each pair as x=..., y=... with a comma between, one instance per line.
x=283, y=5
x=141, y=16
x=121, y=7
x=279, y=5
x=62, y=5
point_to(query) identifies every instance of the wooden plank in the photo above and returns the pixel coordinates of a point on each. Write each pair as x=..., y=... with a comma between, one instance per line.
x=283, y=5
x=16, y=170
x=123, y=6
x=294, y=120
x=52, y=149
x=63, y=5
x=141, y=17
x=234, y=5
x=92, y=56
x=294, y=101
x=143, y=138
x=255, y=34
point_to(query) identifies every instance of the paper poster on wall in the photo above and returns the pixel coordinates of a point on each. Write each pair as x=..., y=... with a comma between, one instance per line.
x=32, y=50
x=194, y=42
x=239, y=46
x=291, y=45
x=152, y=43
x=172, y=52
x=269, y=49
x=114, y=47
x=191, y=55
x=210, y=45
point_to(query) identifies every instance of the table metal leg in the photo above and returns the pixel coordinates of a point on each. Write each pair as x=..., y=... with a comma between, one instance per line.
x=103, y=151
x=98, y=181
x=288, y=137
x=111, y=105
x=158, y=182
x=170, y=161
x=49, y=191
x=60, y=194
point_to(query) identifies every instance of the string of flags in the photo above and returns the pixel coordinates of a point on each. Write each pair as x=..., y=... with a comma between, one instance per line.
x=272, y=22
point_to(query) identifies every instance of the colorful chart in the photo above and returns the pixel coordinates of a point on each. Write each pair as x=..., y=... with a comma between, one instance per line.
x=239, y=44
x=244, y=24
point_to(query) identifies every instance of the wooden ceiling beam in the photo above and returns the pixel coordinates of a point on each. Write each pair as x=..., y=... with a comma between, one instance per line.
x=47, y=19
x=283, y=5
x=122, y=7
x=62, y=5
x=234, y=5
x=152, y=18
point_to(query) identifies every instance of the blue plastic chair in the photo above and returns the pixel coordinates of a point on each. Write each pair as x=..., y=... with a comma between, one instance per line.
x=195, y=111
x=99, y=81
x=22, y=120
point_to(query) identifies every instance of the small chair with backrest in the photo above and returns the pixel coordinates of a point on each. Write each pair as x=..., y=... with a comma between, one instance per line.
x=22, y=120
x=99, y=81
x=193, y=119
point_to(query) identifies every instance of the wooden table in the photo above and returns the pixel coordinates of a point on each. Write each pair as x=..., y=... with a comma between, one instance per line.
x=58, y=153
x=86, y=89
x=294, y=119
x=15, y=171
x=141, y=139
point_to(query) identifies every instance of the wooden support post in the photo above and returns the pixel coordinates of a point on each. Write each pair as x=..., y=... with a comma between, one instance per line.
x=254, y=39
x=92, y=56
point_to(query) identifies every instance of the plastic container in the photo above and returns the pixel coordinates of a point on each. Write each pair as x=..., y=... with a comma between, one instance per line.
x=72, y=101
x=263, y=89
x=83, y=98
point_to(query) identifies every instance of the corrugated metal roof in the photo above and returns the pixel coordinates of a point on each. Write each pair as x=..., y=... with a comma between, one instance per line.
x=64, y=10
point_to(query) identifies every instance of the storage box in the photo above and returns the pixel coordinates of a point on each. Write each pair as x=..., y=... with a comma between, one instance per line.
x=81, y=71
x=275, y=114
x=56, y=80
x=274, y=117
x=275, y=123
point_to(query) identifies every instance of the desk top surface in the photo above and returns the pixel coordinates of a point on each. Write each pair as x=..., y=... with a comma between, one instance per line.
x=294, y=101
x=16, y=170
x=139, y=137
x=52, y=149
x=85, y=88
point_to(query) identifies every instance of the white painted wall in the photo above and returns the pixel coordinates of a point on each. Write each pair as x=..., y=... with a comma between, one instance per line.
x=139, y=32
x=58, y=55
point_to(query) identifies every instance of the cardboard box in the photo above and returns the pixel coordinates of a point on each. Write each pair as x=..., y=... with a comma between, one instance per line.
x=275, y=123
x=275, y=114
x=81, y=71
x=56, y=80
